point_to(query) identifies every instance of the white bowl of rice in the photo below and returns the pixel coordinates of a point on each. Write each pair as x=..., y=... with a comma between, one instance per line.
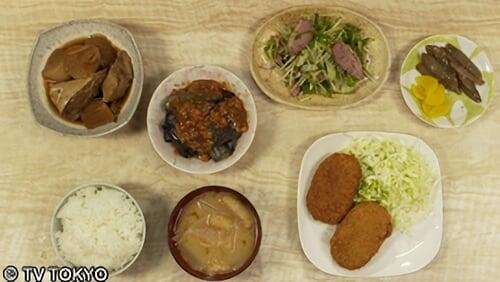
x=98, y=225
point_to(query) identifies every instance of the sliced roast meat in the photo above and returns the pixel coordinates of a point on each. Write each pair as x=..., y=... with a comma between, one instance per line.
x=344, y=56
x=54, y=69
x=81, y=61
x=96, y=114
x=71, y=97
x=461, y=58
x=442, y=72
x=301, y=36
x=108, y=53
x=119, y=78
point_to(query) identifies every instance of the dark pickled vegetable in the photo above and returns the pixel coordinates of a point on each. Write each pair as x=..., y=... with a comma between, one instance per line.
x=453, y=69
x=464, y=61
x=442, y=72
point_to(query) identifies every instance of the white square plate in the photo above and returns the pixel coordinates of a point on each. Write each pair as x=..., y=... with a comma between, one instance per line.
x=400, y=253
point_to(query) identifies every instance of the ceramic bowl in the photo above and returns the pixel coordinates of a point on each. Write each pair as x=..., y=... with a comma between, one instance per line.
x=56, y=37
x=56, y=225
x=172, y=225
x=157, y=112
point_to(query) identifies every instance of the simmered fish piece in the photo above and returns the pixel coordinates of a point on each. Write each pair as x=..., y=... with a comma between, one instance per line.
x=108, y=53
x=81, y=61
x=96, y=114
x=54, y=69
x=71, y=97
x=119, y=78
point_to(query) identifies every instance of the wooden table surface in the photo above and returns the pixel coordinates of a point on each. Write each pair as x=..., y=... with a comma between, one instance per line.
x=38, y=167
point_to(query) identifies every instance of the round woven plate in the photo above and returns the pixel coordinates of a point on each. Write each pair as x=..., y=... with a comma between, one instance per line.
x=269, y=79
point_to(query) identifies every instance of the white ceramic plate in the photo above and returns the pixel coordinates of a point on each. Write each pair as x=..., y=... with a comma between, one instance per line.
x=55, y=226
x=56, y=37
x=400, y=253
x=156, y=117
x=463, y=110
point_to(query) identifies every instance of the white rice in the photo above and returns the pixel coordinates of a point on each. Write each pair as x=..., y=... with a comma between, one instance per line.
x=100, y=227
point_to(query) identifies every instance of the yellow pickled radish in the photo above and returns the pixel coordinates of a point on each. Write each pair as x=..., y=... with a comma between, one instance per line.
x=441, y=110
x=436, y=111
x=436, y=97
x=429, y=83
x=426, y=109
x=431, y=94
x=418, y=91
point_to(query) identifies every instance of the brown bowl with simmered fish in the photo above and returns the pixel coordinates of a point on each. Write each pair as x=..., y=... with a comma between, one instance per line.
x=85, y=78
x=214, y=233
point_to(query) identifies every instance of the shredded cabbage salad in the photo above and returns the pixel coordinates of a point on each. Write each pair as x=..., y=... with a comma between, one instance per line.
x=394, y=175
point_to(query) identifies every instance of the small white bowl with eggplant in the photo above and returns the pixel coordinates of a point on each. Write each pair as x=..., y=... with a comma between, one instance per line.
x=201, y=119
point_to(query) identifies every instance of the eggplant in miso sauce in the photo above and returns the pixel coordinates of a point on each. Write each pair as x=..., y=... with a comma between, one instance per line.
x=204, y=120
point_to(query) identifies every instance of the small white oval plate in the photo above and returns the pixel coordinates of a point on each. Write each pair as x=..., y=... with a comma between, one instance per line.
x=400, y=253
x=56, y=37
x=54, y=225
x=463, y=110
x=156, y=117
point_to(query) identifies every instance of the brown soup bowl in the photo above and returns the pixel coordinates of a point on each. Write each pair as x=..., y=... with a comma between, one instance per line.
x=174, y=220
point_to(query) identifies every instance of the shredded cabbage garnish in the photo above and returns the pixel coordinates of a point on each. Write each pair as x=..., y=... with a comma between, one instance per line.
x=394, y=175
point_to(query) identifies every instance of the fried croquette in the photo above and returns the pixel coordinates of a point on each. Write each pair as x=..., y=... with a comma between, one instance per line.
x=333, y=188
x=360, y=234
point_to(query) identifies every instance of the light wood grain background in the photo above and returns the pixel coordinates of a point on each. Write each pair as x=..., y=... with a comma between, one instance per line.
x=38, y=167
